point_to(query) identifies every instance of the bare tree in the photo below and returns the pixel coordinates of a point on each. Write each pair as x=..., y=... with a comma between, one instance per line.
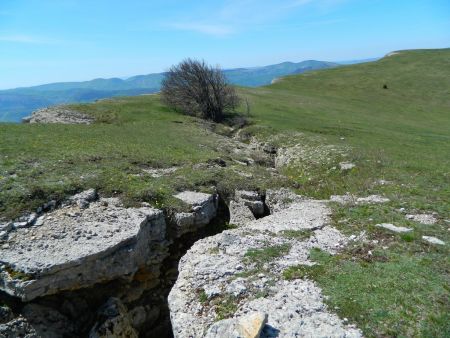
x=196, y=88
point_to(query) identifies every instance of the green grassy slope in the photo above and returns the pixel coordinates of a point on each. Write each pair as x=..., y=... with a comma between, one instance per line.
x=399, y=286
x=399, y=134
x=406, y=125
x=39, y=162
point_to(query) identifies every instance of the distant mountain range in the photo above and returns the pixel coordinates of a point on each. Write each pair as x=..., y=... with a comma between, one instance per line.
x=20, y=102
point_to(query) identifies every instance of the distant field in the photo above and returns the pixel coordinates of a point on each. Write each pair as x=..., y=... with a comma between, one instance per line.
x=399, y=134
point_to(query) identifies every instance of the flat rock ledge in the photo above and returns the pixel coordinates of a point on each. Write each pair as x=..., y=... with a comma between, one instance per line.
x=203, y=210
x=225, y=287
x=78, y=246
x=58, y=114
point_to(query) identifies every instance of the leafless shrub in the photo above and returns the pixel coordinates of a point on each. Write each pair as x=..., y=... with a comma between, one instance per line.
x=195, y=88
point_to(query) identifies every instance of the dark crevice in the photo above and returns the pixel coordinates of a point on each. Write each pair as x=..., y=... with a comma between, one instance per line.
x=80, y=307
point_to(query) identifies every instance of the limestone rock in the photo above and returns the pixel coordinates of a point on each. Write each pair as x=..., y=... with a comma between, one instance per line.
x=18, y=327
x=280, y=199
x=354, y=200
x=427, y=219
x=433, y=240
x=246, y=206
x=58, y=114
x=220, y=263
x=84, y=198
x=372, y=199
x=346, y=166
x=240, y=214
x=247, y=326
x=393, y=228
x=203, y=210
x=160, y=172
x=252, y=200
x=76, y=248
x=114, y=321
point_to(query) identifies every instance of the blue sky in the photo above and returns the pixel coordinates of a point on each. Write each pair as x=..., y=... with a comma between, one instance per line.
x=45, y=41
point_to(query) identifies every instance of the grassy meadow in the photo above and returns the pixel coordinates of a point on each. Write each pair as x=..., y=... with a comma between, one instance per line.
x=391, y=116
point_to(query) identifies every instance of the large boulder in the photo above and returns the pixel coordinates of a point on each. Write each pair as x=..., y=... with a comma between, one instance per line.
x=80, y=245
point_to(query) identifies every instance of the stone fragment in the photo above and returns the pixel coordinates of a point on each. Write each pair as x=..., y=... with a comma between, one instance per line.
x=203, y=210
x=39, y=221
x=18, y=327
x=250, y=326
x=252, y=200
x=393, y=228
x=212, y=291
x=236, y=287
x=433, y=240
x=372, y=199
x=160, y=172
x=427, y=219
x=6, y=226
x=247, y=326
x=351, y=199
x=84, y=198
x=346, y=166
x=240, y=213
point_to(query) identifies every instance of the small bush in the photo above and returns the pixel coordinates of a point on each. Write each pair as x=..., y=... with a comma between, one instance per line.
x=195, y=88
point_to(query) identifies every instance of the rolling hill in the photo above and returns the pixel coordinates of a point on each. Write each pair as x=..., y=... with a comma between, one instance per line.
x=17, y=103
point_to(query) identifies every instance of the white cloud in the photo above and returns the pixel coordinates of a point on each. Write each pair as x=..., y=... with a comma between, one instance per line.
x=235, y=16
x=209, y=29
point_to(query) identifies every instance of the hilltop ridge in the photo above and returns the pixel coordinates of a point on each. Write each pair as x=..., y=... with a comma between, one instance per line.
x=19, y=102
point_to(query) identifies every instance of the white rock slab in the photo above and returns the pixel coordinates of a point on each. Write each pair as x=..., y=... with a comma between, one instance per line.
x=393, y=228
x=79, y=247
x=433, y=240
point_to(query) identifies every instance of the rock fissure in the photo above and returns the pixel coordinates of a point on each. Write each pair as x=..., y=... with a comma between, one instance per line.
x=99, y=269
x=232, y=282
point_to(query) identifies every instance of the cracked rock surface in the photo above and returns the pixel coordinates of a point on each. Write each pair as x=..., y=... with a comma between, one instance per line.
x=229, y=276
x=80, y=245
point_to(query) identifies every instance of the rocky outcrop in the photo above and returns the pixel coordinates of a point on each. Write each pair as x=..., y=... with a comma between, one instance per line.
x=58, y=114
x=76, y=248
x=67, y=259
x=203, y=208
x=239, y=272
